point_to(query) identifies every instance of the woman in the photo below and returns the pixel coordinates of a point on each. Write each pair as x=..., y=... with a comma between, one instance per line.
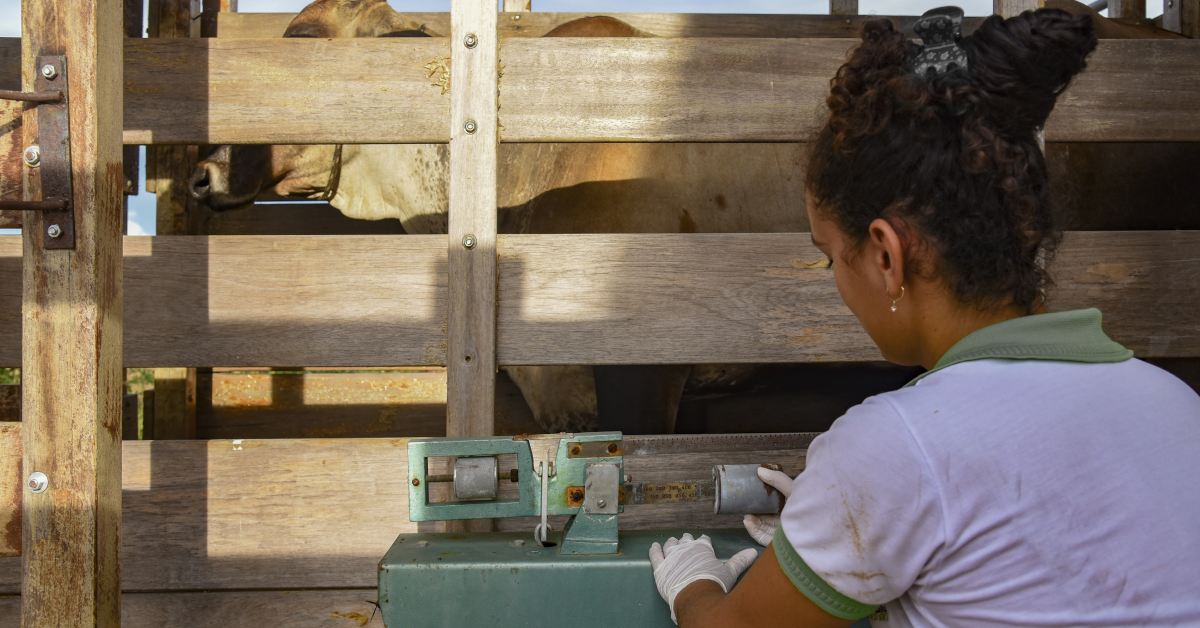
x=1036, y=475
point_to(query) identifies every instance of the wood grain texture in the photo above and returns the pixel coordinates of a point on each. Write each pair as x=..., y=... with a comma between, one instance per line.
x=1127, y=8
x=326, y=608
x=12, y=144
x=581, y=299
x=10, y=402
x=206, y=301
x=537, y=24
x=771, y=90
x=292, y=514
x=12, y=485
x=471, y=358
x=174, y=403
x=843, y=7
x=1183, y=17
x=199, y=91
x=1009, y=8
x=71, y=375
x=10, y=63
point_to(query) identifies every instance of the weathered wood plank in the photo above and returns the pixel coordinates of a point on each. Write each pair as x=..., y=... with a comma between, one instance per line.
x=771, y=90
x=537, y=24
x=328, y=608
x=12, y=144
x=239, y=300
x=71, y=375
x=291, y=514
x=563, y=89
x=474, y=136
x=643, y=299
x=1183, y=17
x=588, y=299
x=10, y=402
x=217, y=91
x=10, y=63
x=12, y=486
x=1009, y=8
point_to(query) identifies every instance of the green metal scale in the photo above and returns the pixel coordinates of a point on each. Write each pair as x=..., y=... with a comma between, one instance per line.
x=588, y=574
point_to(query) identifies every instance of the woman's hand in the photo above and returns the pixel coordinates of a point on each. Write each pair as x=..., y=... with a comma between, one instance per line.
x=681, y=562
x=763, y=528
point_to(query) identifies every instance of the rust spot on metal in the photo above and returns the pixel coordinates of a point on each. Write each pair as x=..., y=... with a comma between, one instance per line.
x=612, y=448
x=575, y=496
x=416, y=482
x=575, y=449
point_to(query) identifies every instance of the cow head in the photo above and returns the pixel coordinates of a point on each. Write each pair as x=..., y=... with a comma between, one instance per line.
x=232, y=177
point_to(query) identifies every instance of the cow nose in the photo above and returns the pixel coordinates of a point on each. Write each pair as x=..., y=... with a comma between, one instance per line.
x=200, y=184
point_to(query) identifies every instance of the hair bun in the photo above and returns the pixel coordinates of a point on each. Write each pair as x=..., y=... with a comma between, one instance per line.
x=1021, y=65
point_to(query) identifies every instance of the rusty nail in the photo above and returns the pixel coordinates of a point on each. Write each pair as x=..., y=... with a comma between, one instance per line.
x=54, y=231
x=612, y=448
x=575, y=449
x=470, y=127
x=38, y=481
x=469, y=242
x=416, y=482
x=50, y=72
x=32, y=156
x=470, y=40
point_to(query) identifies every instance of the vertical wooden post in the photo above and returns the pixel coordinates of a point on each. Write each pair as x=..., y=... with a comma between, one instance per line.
x=1010, y=8
x=1126, y=8
x=71, y=375
x=843, y=7
x=174, y=403
x=471, y=352
x=1182, y=16
x=518, y=6
x=471, y=357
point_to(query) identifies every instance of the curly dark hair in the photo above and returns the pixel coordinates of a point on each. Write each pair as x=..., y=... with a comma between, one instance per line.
x=953, y=162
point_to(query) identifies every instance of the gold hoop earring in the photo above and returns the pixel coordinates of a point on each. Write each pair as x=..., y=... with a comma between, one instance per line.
x=897, y=298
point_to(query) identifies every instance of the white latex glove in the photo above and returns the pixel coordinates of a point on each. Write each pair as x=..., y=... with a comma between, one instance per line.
x=763, y=528
x=681, y=562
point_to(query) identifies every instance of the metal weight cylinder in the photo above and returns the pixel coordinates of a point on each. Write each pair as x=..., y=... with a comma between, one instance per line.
x=475, y=478
x=740, y=491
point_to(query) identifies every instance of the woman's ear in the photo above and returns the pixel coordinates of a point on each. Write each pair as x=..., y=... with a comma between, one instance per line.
x=887, y=255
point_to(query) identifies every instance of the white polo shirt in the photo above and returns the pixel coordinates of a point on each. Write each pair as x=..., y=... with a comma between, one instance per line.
x=1058, y=486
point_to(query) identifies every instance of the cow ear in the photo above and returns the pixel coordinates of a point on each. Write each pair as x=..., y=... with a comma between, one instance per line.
x=306, y=29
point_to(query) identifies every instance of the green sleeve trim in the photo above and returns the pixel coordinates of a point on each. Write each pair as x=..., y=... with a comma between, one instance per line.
x=812, y=586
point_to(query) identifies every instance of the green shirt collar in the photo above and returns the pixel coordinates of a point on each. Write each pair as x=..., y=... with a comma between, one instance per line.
x=1074, y=336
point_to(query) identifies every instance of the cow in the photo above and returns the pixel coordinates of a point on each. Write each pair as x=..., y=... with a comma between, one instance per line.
x=545, y=188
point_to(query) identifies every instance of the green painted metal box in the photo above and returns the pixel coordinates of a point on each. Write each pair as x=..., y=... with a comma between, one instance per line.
x=504, y=579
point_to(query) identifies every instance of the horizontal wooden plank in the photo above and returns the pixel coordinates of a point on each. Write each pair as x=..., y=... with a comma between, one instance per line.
x=327, y=608
x=567, y=299
x=771, y=90
x=269, y=301
x=10, y=63
x=537, y=24
x=643, y=299
x=290, y=514
x=284, y=91
x=10, y=402
x=11, y=485
x=300, y=91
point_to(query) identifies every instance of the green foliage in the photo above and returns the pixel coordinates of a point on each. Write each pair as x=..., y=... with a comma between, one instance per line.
x=10, y=376
x=138, y=380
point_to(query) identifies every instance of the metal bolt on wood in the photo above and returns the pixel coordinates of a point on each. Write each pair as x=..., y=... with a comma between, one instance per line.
x=469, y=242
x=470, y=127
x=517, y=17
x=33, y=156
x=470, y=41
x=54, y=231
x=50, y=72
x=38, y=482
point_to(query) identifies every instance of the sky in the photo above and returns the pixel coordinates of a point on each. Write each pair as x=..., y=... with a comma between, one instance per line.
x=141, y=207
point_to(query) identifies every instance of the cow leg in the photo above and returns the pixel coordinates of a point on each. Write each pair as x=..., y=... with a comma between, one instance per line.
x=562, y=398
x=639, y=399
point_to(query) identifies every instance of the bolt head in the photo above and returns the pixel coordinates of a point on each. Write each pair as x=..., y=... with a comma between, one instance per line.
x=612, y=448
x=600, y=503
x=470, y=41
x=50, y=72
x=470, y=127
x=416, y=482
x=517, y=17
x=54, y=231
x=32, y=156
x=469, y=242
x=38, y=482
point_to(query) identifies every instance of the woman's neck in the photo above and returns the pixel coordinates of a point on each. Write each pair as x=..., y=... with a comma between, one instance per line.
x=940, y=328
